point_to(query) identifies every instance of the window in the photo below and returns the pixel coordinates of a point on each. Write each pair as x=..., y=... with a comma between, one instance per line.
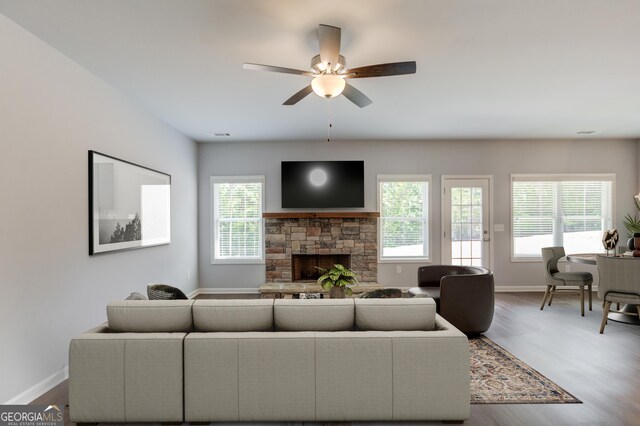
x=404, y=217
x=236, y=205
x=560, y=210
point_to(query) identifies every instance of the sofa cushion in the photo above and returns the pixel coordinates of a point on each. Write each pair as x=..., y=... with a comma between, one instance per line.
x=150, y=316
x=233, y=315
x=395, y=314
x=313, y=315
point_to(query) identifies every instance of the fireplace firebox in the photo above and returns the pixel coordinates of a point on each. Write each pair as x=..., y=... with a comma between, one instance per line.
x=305, y=266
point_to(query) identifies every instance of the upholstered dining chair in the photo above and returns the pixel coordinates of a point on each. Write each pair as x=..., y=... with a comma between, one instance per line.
x=554, y=278
x=619, y=283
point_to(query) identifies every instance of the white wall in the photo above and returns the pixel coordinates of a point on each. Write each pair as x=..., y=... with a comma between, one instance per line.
x=52, y=112
x=497, y=158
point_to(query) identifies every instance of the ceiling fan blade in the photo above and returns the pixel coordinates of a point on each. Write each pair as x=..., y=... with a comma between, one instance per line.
x=356, y=96
x=298, y=96
x=329, y=44
x=383, y=70
x=260, y=67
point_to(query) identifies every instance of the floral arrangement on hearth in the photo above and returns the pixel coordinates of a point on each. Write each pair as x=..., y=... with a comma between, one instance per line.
x=337, y=280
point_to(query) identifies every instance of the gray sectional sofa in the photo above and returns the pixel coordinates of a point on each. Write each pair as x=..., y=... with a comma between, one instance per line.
x=270, y=360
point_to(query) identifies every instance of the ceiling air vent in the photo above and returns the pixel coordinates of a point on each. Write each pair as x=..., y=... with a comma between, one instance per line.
x=223, y=134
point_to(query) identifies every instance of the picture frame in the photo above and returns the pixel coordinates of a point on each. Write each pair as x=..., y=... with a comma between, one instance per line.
x=129, y=205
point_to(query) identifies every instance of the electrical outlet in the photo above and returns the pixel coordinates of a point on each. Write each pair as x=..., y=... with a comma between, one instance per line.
x=398, y=269
x=188, y=275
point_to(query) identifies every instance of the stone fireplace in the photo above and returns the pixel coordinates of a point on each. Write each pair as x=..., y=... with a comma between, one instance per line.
x=295, y=243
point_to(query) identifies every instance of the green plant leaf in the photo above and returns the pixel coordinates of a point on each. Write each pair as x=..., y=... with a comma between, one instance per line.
x=327, y=285
x=339, y=275
x=632, y=224
x=347, y=281
x=323, y=278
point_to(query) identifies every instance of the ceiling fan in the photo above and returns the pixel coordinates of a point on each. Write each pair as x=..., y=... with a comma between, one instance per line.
x=329, y=71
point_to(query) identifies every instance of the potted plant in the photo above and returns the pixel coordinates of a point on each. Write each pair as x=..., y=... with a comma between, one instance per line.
x=632, y=223
x=338, y=280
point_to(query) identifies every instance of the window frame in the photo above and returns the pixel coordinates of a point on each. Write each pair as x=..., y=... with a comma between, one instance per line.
x=429, y=228
x=213, y=217
x=555, y=177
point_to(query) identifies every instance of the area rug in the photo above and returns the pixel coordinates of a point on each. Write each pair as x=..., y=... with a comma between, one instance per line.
x=498, y=377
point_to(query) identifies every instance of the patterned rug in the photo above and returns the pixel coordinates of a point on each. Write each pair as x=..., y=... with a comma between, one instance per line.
x=498, y=377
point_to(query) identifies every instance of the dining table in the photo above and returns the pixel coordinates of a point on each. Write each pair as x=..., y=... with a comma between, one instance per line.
x=590, y=259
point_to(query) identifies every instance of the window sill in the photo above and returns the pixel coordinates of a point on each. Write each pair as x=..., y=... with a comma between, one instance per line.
x=405, y=260
x=237, y=261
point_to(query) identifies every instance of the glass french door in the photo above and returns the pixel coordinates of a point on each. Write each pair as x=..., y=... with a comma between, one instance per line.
x=465, y=221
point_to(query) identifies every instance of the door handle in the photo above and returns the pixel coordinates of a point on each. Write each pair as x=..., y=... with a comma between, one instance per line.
x=486, y=239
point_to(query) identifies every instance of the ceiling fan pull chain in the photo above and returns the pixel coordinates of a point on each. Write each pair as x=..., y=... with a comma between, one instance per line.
x=329, y=120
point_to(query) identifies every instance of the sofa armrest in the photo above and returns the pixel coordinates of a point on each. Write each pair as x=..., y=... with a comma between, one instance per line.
x=125, y=377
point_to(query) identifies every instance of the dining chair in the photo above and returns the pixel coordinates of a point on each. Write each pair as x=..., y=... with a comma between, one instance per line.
x=554, y=278
x=619, y=283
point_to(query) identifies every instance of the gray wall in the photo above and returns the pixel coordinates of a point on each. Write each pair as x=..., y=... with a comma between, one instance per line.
x=51, y=113
x=497, y=158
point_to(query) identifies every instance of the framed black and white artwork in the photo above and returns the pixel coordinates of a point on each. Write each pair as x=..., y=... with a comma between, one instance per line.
x=129, y=205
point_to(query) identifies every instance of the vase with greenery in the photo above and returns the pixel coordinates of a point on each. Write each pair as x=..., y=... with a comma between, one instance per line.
x=632, y=223
x=337, y=280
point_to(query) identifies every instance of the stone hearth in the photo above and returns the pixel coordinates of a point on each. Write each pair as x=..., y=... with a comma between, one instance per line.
x=357, y=237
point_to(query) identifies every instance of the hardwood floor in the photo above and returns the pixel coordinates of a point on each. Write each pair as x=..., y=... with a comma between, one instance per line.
x=603, y=371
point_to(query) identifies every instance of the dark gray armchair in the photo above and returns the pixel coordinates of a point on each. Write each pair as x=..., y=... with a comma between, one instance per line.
x=464, y=295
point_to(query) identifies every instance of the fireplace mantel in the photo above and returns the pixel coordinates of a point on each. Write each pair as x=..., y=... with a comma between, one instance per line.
x=314, y=215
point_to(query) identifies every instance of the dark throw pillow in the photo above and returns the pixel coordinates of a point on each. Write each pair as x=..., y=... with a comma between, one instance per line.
x=164, y=292
x=383, y=293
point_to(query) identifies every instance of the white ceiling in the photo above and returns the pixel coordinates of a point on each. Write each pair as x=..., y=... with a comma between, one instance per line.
x=485, y=68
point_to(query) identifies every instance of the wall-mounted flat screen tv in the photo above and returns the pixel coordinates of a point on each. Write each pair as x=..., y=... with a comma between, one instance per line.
x=322, y=184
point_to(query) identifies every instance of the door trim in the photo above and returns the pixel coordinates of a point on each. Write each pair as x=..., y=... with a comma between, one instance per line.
x=444, y=178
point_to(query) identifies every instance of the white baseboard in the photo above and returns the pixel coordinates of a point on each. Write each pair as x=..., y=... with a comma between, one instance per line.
x=209, y=290
x=520, y=288
x=528, y=288
x=250, y=290
x=40, y=388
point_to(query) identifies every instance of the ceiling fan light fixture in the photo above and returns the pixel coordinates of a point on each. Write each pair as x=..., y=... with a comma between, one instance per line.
x=329, y=71
x=328, y=85
x=320, y=67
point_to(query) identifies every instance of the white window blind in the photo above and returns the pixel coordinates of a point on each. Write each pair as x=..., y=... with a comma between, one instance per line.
x=569, y=210
x=237, y=219
x=404, y=217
